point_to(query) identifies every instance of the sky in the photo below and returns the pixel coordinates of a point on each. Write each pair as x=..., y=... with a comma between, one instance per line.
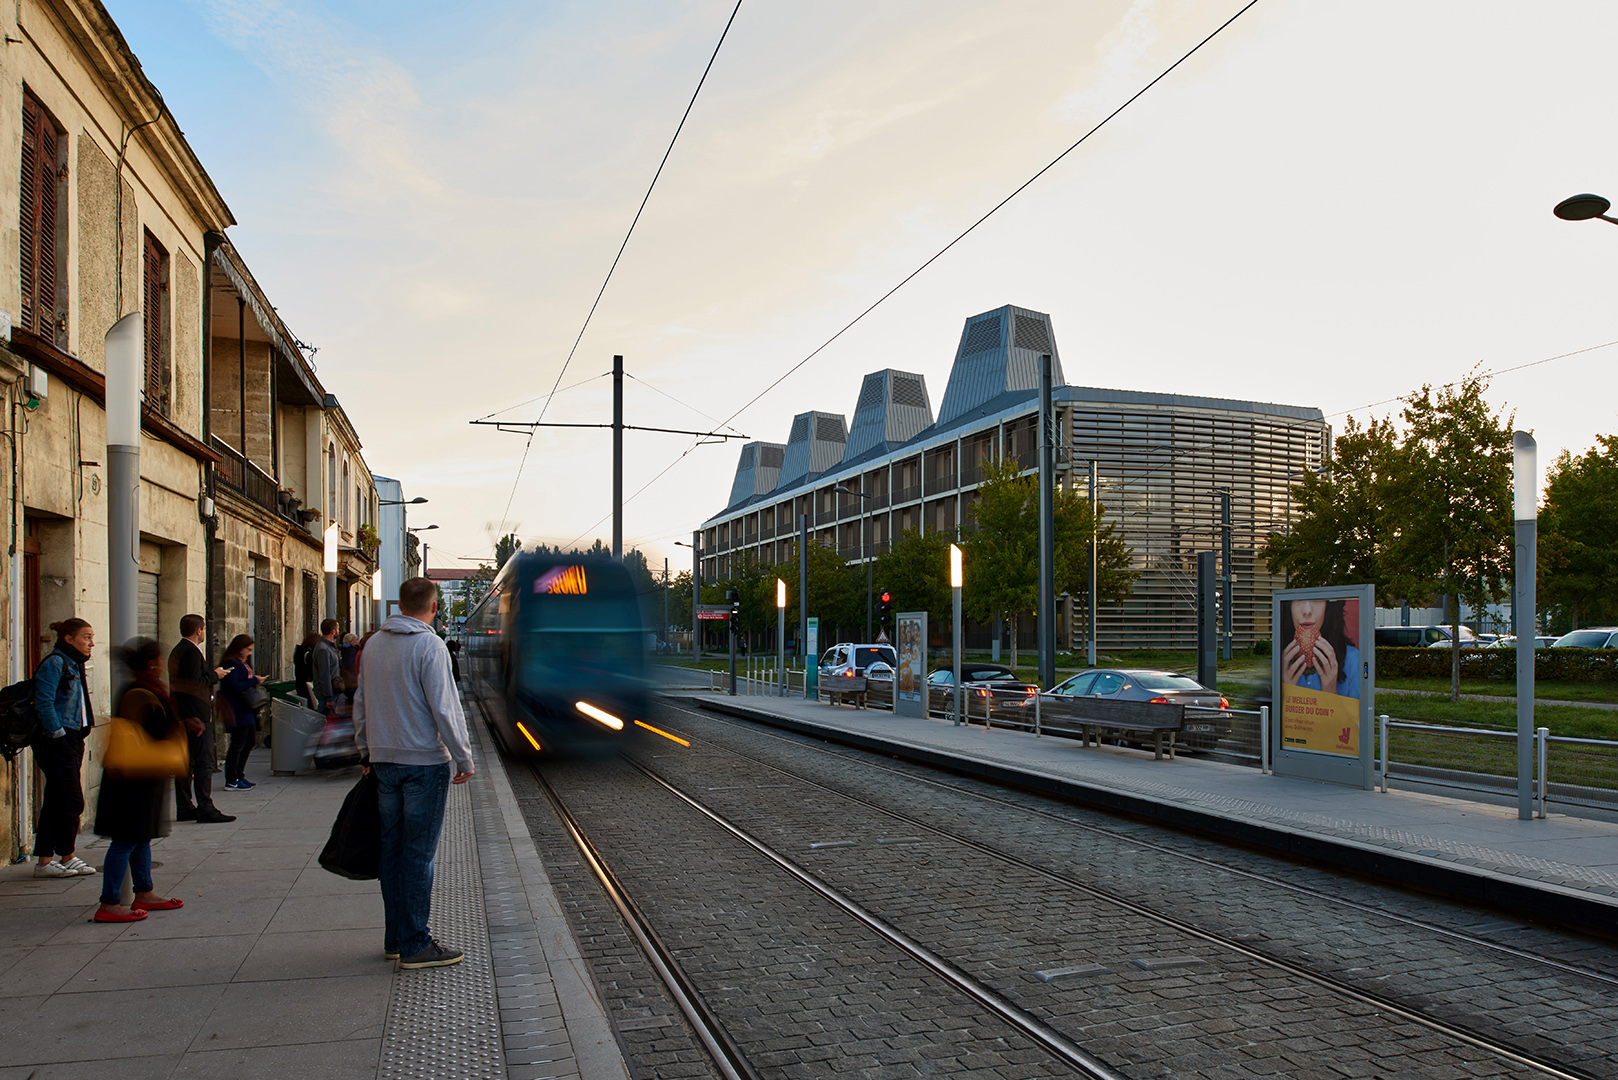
x=1328, y=205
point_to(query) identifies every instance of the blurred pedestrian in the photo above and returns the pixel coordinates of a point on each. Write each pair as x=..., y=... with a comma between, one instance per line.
x=454, y=648
x=237, y=687
x=62, y=700
x=129, y=810
x=326, y=662
x=408, y=725
x=191, y=683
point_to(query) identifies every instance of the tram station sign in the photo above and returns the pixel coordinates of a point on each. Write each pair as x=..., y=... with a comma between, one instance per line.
x=713, y=612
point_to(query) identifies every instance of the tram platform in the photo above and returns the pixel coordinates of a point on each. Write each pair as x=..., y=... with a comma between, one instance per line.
x=274, y=966
x=1558, y=867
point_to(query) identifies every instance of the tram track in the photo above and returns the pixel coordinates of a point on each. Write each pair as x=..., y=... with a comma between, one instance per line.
x=1267, y=880
x=1382, y=1003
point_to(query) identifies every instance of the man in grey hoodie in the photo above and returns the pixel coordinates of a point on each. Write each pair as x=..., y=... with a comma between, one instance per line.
x=409, y=726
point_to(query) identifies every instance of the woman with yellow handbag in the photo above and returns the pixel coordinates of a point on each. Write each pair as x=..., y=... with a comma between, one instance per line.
x=146, y=749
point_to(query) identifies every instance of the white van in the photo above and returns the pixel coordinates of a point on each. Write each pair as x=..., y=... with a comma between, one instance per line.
x=862, y=659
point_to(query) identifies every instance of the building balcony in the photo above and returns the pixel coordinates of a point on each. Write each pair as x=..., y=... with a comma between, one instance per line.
x=907, y=494
x=941, y=483
x=257, y=487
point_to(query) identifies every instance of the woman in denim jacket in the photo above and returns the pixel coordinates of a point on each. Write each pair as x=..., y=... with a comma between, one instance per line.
x=62, y=700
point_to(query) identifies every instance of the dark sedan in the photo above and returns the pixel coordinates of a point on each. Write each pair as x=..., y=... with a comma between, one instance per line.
x=991, y=689
x=1202, y=731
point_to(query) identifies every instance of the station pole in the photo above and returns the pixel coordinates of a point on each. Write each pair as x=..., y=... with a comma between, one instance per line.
x=696, y=598
x=122, y=350
x=1095, y=544
x=1525, y=482
x=1047, y=532
x=1227, y=601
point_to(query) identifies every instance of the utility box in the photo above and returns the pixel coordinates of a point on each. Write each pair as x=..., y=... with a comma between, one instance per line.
x=293, y=731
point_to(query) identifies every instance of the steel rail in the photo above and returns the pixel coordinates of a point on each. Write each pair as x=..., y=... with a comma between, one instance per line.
x=1047, y=1037
x=1327, y=982
x=726, y=1053
x=1251, y=875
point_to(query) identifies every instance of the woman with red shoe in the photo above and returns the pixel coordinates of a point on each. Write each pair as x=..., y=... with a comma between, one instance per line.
x=132, y=810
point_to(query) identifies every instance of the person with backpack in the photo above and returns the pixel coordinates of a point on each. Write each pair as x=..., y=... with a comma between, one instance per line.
x=62, y=700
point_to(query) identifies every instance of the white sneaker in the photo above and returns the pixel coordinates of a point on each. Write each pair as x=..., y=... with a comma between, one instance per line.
x=77, y=865
x=53, y=870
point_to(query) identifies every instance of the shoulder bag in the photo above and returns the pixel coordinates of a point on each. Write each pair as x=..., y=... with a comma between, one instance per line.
x=132, y=752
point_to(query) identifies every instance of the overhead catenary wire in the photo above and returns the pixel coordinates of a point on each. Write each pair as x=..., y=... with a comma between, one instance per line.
x=941, y=252
x=615, y=259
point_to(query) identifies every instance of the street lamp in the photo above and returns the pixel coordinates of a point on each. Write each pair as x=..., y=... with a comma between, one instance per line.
x=417, y=501
x=1525, y=507
x=1583, y=208
x=696, y=596
x=424, y=528
x=868, y=556
x=781, y=629
x=955, y=596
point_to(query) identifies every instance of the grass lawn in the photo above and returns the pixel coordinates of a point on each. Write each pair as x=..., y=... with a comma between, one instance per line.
x=1554, y=691
x=1567, y=720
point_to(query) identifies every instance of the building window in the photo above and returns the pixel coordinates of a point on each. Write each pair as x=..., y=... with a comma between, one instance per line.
x=156, y=281
x=43, y=231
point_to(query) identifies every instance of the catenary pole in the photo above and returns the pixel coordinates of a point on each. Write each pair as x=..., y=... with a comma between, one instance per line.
x=617, y=457
x=1095, y=543
x=1047, y=530
x=803, y=591
x=696, y=597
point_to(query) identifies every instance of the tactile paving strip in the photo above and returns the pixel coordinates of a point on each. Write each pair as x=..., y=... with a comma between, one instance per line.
x=445, y=1022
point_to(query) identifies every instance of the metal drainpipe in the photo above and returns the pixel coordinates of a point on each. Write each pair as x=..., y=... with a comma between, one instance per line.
x=212, y=240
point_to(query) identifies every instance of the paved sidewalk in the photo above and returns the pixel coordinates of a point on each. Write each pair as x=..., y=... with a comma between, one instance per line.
x=274, y=966
x=1561, y=867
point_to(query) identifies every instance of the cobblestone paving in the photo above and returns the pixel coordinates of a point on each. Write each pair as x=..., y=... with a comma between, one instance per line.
x=1219, y=1015
x=803, y=988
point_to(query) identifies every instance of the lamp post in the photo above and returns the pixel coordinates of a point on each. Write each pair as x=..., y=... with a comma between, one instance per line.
x=955, y=599
x=868, y=557
x=781, y=630
x=1525, y=503
x=417, y=501
x=123, y=393
x=376, y=598
x=696, y=596
x=1583, y=208
x=333, y=537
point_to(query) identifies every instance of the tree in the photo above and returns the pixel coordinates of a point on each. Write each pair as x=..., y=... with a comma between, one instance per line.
x=1339, y=537
x=476, y=588
x=1449, y=519
x=504, y=548
x=915, y=569
x=1578, y=542
x=1003, y=548
x=680, y=601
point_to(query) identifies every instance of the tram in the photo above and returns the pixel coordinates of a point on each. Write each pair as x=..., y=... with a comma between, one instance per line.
x=555, y=655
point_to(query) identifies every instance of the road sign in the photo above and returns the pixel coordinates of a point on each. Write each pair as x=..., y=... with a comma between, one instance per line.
x=713, y=612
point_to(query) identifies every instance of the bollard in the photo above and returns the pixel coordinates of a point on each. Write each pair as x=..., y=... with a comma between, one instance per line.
x=1383, y=720
x=1037, y=697
x=1543, y=735
x=1264, y=739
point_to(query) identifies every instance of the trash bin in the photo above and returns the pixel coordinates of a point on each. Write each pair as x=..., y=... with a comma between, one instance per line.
x=293, y=729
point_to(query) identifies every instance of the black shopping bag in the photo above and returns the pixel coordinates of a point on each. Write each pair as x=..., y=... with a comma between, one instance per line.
x=355, y=848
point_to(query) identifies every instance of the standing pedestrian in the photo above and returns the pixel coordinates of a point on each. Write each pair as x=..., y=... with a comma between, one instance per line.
x=303, y=668
x=191, y=683
x=129, y=811
x=62, y=700
x=236, y=686
x=409, y=726
x=326, y=662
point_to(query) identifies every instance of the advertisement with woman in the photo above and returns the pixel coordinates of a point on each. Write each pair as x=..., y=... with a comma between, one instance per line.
x=910, y=689
x=1321, y=671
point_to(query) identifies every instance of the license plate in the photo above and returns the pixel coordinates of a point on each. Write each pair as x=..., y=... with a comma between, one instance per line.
x=1199, y=727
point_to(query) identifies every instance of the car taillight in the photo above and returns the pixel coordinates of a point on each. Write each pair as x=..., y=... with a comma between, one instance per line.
x=1029, y=690
x=849, y=673
x=983, y=692
x=1158, y=701
x=1224, y=702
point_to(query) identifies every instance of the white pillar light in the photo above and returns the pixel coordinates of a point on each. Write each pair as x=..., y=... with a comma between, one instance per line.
x=954, y=567
x=955, y=590
x=124, y=389
x=1525, y=506
x=781, y=631
x=333, y=539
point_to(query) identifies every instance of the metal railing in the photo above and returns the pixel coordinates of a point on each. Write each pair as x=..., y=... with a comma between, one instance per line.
x=940, y=483
x=242, y=476
x=1569, y=771
x=906, y=494
x=759, y=676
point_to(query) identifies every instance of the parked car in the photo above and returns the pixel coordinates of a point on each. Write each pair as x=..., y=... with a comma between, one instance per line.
x=1203, y=731
x=877, y=661
x=1594, y=637
x=991, y=686
x=1416, y=636
x=1540, y=642
x=1466, y=643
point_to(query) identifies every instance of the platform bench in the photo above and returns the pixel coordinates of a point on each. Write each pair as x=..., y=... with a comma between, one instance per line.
x=841, y=689
x=1137, y=720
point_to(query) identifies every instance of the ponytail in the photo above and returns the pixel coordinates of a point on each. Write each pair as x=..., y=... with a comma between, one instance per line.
x=68, y=628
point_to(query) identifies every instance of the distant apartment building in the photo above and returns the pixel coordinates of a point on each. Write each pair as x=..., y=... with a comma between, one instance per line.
x=1162, y=459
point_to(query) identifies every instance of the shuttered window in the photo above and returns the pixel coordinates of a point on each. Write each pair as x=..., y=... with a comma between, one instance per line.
x=156, y=282
x=38, y=222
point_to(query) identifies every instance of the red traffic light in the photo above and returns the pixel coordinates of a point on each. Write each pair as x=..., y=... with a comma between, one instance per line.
x=887, y=598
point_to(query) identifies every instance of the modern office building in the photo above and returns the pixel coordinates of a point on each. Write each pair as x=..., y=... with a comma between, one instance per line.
x=1161, y=458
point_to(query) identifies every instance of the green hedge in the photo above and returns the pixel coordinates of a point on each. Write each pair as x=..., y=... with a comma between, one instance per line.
x=1552, y=665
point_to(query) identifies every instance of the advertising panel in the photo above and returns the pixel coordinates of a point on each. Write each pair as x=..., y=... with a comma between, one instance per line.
x=910, y=681
x=811, y=664
x=1323, y=664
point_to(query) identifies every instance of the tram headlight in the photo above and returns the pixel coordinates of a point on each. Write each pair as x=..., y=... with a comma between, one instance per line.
x=601, y=716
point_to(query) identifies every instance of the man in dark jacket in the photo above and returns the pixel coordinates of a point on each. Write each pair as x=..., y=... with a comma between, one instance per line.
x=191, y=681
x=327, y=661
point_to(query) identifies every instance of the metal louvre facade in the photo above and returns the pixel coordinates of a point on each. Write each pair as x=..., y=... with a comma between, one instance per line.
x=1161, y=460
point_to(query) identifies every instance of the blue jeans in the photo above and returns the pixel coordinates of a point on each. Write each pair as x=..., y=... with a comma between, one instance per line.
x=134, y=856
x=411, y=799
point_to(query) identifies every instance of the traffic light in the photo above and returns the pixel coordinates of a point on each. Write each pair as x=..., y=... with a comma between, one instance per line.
x=735, y=598
x=884, y=604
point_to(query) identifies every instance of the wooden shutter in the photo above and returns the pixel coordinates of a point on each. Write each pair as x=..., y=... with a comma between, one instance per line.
x=153, y=276
x=37, y=220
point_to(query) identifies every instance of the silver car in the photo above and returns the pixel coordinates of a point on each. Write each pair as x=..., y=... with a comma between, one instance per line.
x=1202, y=732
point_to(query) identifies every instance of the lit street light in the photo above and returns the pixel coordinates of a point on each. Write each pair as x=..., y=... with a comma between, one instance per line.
x=955, y=592
x=1583, y=208
x=417, y=501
